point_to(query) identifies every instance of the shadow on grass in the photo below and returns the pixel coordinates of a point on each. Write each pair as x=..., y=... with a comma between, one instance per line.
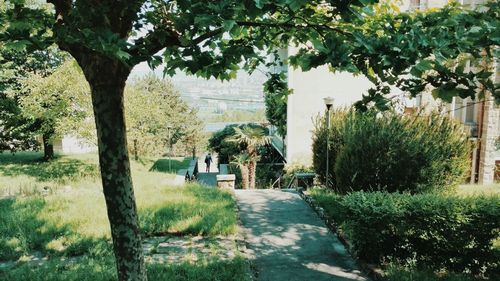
x=204, y=211
x=103, y=269
x=169, y=165
x=60, y=169
x=23, y=232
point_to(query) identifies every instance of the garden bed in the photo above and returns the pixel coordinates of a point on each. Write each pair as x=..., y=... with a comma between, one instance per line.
x=426, y=232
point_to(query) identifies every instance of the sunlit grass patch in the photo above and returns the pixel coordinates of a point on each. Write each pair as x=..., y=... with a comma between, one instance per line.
x=71, y=219
x=191, y=210
x=487, y=190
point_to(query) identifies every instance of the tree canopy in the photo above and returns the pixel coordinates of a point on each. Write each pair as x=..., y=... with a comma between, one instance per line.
x=148, y=129
x=59, y=103
x=16, y=131
x=212, y=38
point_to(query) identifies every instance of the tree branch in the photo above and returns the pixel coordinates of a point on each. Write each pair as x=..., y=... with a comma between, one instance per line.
x=152, y=43
x=287, y=24
x=205, y=36
x=159, y=39
x=63, y=7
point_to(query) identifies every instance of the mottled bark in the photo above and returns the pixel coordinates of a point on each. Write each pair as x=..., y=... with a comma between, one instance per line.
x=252, y=168
x=48, y=147
x=107, y=81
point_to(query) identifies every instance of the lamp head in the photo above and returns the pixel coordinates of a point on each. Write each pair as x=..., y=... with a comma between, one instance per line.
x=329, y=102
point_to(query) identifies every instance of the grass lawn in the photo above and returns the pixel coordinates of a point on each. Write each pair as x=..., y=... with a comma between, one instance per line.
x=24, y=173
x=69, y=218
x=470, y=189
x=103, y=269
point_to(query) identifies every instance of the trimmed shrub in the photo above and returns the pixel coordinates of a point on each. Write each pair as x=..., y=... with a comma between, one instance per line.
x=320, y=132
x=391, y=152
x=429, y=231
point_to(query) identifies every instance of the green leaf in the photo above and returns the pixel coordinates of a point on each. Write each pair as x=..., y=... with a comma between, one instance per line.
x=229, y=24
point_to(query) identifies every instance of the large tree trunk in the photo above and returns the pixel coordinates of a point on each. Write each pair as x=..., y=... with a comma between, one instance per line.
x=48, y=147
x=252, y=168
x=107, y=86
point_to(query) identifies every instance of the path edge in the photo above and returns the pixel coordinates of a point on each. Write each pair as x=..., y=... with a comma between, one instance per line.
x=241, y=243
x=373, y=272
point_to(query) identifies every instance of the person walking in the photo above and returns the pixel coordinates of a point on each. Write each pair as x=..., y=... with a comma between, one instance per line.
x=208, y=160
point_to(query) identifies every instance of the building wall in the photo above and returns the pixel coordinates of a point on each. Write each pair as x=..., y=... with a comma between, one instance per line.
x=483, y=122
x=311, y=87
x=73, y=145
x=306, y=102
x=489, y=135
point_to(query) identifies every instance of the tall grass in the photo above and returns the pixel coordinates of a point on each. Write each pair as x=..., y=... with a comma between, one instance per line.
x=103, y=269
x=71, y=219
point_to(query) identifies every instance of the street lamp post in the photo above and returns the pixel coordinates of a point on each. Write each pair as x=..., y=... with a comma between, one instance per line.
x=169, y=149
x=329, y=103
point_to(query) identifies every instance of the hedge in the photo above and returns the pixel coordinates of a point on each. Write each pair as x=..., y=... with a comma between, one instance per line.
x=427, y=231
x=391, y=152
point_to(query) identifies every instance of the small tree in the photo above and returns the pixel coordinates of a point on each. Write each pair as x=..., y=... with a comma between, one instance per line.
x=18, y=132
x=276, y=96
x=148, y=128
x=225, y=149
x=252, y=138
x=59, y=103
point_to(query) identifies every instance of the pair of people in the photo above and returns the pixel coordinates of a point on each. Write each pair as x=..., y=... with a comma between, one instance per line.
x=208, y=161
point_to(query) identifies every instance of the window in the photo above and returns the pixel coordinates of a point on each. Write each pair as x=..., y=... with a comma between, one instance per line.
x=469, y=112
x=458, y=109
x=414, y=5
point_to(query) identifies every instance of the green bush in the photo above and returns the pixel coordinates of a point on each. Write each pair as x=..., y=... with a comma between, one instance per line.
x=293, y=168
x=391, y=152
x=219, y=142
x=426, y=231
x=266, y=174
x=320, y=132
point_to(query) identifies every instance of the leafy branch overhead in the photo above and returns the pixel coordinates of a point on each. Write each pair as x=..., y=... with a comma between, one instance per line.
x=216, y=38
x=450, y=49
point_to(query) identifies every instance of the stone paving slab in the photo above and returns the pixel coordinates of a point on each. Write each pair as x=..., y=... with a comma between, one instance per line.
x=189, y=249
x=287, y=241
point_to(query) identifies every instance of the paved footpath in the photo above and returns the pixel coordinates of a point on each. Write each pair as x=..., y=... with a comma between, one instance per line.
x=287, y=241
x=208, y=179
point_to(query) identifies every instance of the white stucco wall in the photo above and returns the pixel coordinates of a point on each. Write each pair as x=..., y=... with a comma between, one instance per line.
x=73, y=145
x=309, y=89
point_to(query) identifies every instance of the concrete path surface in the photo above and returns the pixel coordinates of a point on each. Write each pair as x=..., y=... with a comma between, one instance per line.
x=209, y=179
x=202, y=167
x=287, y=241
